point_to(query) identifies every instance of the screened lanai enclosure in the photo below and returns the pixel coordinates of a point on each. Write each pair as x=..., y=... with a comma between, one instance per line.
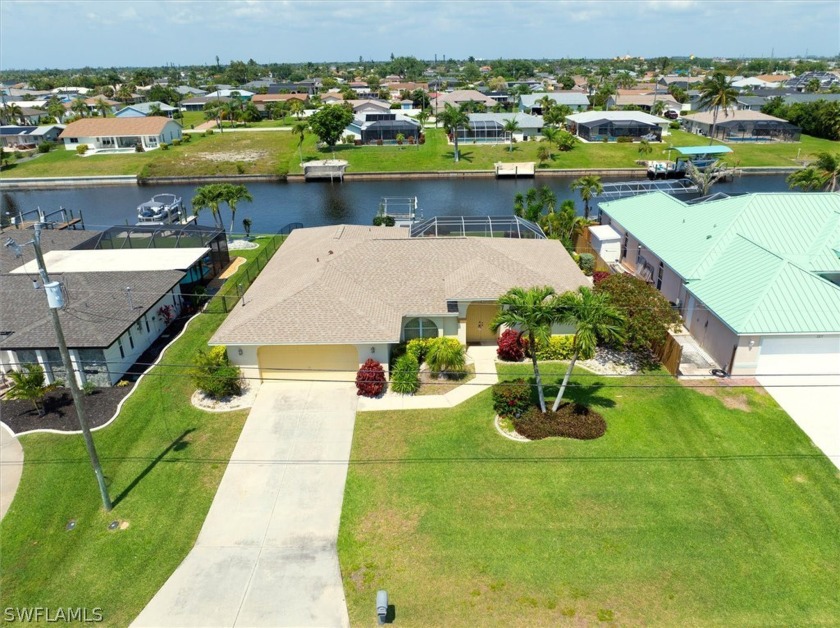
x=477, y=226
x=600, y=130
x=386, y=128
x=483, y=131
x=756, y=131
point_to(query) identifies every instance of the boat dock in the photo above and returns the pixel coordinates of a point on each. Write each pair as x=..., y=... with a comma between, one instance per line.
x=323, y=169
x=521, y=169
x=66, y=219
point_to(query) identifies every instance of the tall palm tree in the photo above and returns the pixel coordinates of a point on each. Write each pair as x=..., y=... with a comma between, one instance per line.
x=716, y=93
x=704, y=179
x=511, y=126
x=12, y=113
x=588, y=186
x=453, y=119
x=532, y=311
x=299, y=129
x=296, y=107
x=592, y=317
x=56, y=109
x=821, y=174
x=209, y=197
x=79, y=107
x=807, y=179
x=102, y=107
x=551, y=135
x=232, y=194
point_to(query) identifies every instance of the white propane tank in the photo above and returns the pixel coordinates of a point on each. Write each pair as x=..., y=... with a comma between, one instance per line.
x=55, y=296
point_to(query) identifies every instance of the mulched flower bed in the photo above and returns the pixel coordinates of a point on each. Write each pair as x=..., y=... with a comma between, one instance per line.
x=99, y=406
x=571, y=420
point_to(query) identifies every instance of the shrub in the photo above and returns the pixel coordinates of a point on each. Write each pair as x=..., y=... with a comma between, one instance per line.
x=511, y=399
x=81, y=149
x=509, y=346
x=88, y=387
x=649, y=314
x=587, y=263
x=164, y=146
x=418, y=347
x=208, y=131
x=370, y=379
x=45, y=147
x=557, y=348
x=187, y=137
x=240, y=168
x=674, y=125
x=383, y=221
x=138, y=148
x=446, y=356
x=214, y=375
x=283, y=171
x=599, y=275
x=176, y=142
x=571, y=420
x=405, y=376
x=624, y=139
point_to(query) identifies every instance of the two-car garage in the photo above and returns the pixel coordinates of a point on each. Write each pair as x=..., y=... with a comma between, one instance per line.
x=309, y=362
x=799, y=355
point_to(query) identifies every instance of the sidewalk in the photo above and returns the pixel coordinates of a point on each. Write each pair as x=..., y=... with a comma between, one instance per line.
x=484, y=358
x=11, y=468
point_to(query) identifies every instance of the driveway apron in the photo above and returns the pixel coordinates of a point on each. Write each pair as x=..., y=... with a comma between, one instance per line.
x=266, y=555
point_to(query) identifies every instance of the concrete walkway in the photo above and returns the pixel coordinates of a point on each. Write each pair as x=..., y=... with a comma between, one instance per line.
x=484, y=358
x=813, y=402
x=266, y=555
x=11, y=467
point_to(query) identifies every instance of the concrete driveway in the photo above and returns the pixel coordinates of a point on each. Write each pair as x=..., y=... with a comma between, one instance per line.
x=11, y=467
x=812, y=401
x=266, y=555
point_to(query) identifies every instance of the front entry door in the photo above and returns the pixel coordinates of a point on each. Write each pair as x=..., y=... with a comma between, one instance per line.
x=479, y=318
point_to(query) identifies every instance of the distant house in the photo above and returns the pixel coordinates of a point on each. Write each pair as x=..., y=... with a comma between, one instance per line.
x=383, y=128
x=141, y=110
x=644, y=102
x=760, y=292
x=198, y=103
x=369, y=105
x=241, y=94
x=460, y=97
x=120, y=134
x=33, y=117
x=531, y=103
x=801, y=82
x=683, y=82
x=598, y=126
x=186, y=90
x=740, y=125
x=24, y=137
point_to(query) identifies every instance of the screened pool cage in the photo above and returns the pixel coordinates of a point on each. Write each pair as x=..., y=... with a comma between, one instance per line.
x=483, y=130
x=477, y=226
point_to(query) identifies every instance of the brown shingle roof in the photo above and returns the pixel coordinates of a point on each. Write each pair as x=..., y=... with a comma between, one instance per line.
x=95, y=127
x=354, y=284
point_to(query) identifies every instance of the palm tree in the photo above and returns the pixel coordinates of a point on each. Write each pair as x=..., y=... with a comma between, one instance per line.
x=453, y=119
x=658, y=107
x=822, y=173
x=12, y=113
x=56, y=109
x=155, y=110
x=716, y=93
x=299, y=129
x=124, y=93
x=79, y=107
x=588, y=186
x=543, y=153
x=645, y=148
x=511, y=126
x=102, y=107
x=232, y=194
x=706, y=178
x=29, y=384
x=532, y=311
x=593, y=317
x=550, y=135
x=209, y=196
x=296, y=107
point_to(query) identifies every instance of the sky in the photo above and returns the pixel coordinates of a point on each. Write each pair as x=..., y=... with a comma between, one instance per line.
x=103, y=33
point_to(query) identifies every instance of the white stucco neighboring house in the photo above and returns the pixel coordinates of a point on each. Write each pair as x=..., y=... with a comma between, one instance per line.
x=120, y=134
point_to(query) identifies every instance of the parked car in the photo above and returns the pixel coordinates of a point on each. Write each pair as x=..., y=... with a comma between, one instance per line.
x=671, y=114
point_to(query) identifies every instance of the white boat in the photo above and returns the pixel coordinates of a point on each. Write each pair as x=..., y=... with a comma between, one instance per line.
x=162, y=209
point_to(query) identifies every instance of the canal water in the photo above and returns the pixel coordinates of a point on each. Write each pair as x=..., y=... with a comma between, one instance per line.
x=323, y=203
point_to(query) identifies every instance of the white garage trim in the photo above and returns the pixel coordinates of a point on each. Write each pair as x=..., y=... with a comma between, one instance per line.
x=799, y=355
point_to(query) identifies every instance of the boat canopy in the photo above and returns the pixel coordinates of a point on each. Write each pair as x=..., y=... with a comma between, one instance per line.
x=690, y=151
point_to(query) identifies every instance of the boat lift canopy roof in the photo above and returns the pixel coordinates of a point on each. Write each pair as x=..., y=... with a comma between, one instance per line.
x=690, y=151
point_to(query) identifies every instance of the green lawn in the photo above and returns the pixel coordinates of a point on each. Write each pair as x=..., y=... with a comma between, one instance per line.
x=231, y=153
x=163, y=459
x=684, y=513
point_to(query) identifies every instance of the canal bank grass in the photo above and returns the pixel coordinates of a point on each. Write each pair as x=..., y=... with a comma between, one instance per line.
x=270, y=153
x=163, y=459
x=709, y=517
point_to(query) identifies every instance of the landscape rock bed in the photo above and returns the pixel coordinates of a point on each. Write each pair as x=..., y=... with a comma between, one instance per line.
x=226, y=404
x=60, y=415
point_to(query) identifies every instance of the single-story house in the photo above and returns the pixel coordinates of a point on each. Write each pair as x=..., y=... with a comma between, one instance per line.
x=31, y=116
x=490, y=127
x=758, y=290
x=369, y=105
x=644, y=102
x=532, y=103
x=186, y=90
x=741, y=124
x=264, y=99
x=683, y=82
x=143, y=109
x=373, y=128
x=120, y=134
x=801, y=82
x=351, y=292
x=241, y=94
x=459, y=97
x=23, y=137
x=596, y=126
x=199, y=102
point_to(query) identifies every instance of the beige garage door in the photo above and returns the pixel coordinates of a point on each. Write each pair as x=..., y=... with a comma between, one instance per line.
x=479, y=318
x=324, y=362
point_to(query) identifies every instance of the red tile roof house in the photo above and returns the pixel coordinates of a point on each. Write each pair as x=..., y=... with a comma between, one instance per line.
x=120, y=135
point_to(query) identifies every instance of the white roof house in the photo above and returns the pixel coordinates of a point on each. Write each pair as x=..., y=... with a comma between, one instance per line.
x=593, y=126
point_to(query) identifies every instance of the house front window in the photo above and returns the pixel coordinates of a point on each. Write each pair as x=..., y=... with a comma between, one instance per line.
x=420, y=328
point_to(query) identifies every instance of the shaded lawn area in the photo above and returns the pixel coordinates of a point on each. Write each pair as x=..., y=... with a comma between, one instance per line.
x=163, y=460
x=684, y=513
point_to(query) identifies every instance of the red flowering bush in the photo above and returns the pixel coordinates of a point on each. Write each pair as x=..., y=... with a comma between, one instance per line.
x=511, y=399
x=599, y=275
x=370, y=379
x=510, y=347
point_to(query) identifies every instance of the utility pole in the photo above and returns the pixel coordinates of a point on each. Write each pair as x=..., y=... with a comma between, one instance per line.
x=71, y=375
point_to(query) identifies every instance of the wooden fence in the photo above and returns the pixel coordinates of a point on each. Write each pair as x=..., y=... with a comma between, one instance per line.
x=583, y=245
x=670, y=355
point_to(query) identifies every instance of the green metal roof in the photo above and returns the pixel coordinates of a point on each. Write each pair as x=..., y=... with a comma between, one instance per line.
x=755, y=260
x=702, y=150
